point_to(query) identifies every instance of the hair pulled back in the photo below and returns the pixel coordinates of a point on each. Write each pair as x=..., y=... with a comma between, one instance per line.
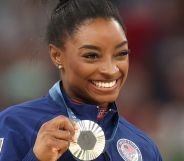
x=70, y=14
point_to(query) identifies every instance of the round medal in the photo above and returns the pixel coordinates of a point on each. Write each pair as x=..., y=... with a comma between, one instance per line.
x=90, y=141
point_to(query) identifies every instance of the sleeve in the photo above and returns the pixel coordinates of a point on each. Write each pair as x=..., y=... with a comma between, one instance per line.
x=30, y=156
x=13, y=146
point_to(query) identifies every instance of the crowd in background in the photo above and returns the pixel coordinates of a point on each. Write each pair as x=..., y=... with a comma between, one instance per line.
x=153, y=96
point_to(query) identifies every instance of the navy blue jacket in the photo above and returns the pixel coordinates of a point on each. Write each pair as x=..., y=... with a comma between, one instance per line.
x=20, y=124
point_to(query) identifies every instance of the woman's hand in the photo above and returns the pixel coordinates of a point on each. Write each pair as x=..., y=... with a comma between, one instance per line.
x=54, y=138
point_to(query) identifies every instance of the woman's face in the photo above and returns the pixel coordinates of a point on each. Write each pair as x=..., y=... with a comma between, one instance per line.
x=95, y=62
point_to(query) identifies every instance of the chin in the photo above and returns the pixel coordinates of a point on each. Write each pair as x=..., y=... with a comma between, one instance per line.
x=105, y=100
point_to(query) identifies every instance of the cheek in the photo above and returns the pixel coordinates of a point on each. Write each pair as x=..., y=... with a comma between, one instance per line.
x=80, y=71
x=123, y=67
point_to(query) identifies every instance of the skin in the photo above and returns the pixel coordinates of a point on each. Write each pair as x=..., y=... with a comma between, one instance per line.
x=92, y=54
x=51, y=142
x=96, y=52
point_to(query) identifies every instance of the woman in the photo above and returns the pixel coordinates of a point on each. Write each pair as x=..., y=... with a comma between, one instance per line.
x=78, y=119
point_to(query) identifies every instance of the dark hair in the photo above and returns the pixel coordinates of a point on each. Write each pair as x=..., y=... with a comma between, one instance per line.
x=70, y=14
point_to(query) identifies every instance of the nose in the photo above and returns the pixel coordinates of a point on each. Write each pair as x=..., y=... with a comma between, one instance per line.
x=108, y=68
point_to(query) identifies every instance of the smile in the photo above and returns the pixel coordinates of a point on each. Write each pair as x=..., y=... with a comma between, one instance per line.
x=101, y=84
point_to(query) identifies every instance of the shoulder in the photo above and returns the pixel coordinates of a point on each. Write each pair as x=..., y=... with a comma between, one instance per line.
x=133, y=131
x=131, y=135
x=29, y=112
x=18, y=126
x=40, y=105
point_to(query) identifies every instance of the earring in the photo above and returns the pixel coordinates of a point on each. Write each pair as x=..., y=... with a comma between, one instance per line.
x=60, y=66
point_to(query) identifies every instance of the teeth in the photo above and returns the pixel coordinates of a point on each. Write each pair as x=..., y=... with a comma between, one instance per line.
x=104, y=84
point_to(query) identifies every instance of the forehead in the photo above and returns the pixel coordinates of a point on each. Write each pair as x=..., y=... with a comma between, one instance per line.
x=99, y=31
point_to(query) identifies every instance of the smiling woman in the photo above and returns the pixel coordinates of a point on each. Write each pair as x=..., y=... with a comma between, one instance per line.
x=78, y=119
x=94, y=66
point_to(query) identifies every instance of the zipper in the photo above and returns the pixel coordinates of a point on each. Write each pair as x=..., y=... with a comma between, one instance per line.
x=107, y=157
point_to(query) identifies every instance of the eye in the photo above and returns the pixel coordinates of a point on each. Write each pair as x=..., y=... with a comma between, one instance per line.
x=91, y=55
x=123, y=53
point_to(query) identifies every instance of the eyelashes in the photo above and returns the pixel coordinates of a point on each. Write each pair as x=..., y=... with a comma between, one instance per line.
x=123, y=53
x=94, y=55
x=91, y=55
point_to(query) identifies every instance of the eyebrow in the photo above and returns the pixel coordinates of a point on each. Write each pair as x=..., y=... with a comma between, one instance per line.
x=93, y=47
x=121, y=44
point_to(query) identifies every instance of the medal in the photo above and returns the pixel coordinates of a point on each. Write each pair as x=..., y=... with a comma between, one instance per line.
x=90, y=141
x=90, y=136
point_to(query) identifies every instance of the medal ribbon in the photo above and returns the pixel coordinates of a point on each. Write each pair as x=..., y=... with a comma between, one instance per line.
x=57, y=96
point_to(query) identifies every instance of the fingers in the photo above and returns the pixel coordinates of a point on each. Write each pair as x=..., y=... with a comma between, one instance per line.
x=60, y=122
x=57, y=145
x=58, y=134
x=76, y=127
x=54, y=138
x=48, y=148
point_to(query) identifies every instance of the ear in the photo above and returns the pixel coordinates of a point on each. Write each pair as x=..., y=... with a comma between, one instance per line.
x=56, y=55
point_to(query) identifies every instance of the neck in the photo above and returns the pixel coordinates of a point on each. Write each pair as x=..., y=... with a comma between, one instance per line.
x=79, y=101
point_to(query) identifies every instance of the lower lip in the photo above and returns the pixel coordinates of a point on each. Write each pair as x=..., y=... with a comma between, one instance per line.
x=105, y=90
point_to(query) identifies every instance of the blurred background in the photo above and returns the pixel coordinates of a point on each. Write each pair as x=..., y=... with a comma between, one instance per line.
x=153, y=96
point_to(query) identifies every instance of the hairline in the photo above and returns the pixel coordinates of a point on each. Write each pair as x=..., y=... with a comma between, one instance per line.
x=69, y=36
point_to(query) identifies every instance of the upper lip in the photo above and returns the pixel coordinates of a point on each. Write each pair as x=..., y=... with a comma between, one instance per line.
x=106, y=81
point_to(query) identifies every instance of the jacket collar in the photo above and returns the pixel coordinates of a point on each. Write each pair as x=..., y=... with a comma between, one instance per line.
x=59, y=96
